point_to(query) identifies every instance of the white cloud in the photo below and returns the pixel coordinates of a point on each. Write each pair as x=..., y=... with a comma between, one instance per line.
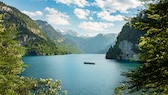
x=55, y=17
x=37, y=0
x=117, y=5
x=105, y=15
x=81, y=13
x=79, y=3
x=33, y=14
x=91, y=18
x=96, y=26
x=67, y=2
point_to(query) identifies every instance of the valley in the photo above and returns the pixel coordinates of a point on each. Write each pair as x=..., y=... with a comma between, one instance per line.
x=76, y=43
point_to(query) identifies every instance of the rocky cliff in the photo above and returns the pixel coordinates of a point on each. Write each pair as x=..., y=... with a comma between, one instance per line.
x=126, y=46
x=127, y=51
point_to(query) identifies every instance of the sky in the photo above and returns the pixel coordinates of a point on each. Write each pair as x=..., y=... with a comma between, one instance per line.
x=86, y=17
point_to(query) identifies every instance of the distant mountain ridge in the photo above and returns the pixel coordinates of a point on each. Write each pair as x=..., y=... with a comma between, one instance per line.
x=96, y=44
x=71, y=40
x=66, y=31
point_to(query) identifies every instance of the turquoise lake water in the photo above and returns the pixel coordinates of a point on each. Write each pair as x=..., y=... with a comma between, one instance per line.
x=79, y=78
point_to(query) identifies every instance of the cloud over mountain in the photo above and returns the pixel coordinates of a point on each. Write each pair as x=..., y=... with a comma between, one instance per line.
x=105, y=15
x=86, y=16
x=56, y=17
x=79, y=3
x=33, y=14
x=95, y=26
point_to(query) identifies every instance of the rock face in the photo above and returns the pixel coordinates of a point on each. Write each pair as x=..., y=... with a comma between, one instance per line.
x=127, y=52
x=126, y=46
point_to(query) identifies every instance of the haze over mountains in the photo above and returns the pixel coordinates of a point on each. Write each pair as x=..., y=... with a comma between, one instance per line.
x=97, y=44
x=75, y=43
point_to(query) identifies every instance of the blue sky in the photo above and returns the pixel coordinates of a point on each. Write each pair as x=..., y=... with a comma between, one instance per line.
x=87, y=17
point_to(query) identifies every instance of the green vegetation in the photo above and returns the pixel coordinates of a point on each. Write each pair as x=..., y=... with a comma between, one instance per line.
x=151, y=77
x=29, y=34
x=127, y=33
x=113, y=52
x=17, y=30
x=11, y=66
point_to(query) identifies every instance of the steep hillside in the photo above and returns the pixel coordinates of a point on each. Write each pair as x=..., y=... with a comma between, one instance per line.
x=58, y=37
x=126, y=47
x=29, y=34
x=96, y=44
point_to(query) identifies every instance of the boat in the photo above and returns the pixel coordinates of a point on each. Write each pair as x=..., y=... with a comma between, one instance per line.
x=89, y=63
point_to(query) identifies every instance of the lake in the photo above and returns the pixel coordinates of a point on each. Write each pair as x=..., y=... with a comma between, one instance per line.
x=79, y=78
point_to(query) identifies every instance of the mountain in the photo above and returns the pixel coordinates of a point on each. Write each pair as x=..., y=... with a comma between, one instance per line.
x=96, y=44
x=29, y=34
x=70, y=32
x=126, y=46
x=50, y=31
x=71, y=41
x=57, y=37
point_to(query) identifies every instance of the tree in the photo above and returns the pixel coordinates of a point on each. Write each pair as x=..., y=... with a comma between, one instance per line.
x=10, y=62
x=151, y=77
x=11, y=66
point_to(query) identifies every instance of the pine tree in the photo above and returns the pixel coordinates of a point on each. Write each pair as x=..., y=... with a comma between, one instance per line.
x=151, y=77
x=11, y=66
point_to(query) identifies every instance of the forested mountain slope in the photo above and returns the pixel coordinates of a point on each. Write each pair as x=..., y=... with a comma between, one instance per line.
x=29, y=34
